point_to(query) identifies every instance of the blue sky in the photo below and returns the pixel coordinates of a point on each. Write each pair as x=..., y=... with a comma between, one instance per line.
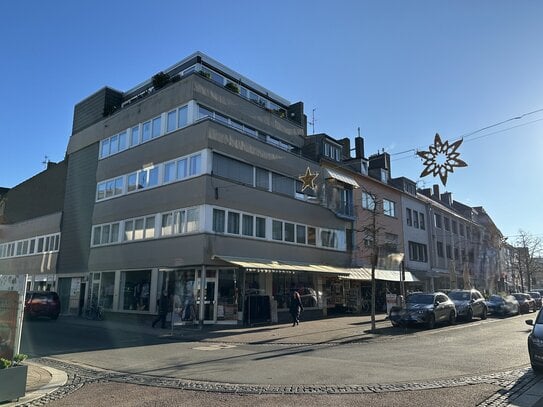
x=399, y=70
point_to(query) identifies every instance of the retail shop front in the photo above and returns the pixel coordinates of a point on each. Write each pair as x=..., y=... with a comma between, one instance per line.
x=267, y=285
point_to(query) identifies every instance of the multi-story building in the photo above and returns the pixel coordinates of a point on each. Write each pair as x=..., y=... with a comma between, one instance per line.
x=194, y=182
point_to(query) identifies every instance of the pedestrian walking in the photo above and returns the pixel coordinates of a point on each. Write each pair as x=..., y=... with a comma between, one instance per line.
x=163, y=309
x=295, y=307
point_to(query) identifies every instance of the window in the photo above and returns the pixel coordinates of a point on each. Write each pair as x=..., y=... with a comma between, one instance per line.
x=104, y=151
x=233, y=223
x=454, y=227
x=415, y=219
x=114, y=238
x=328, y=238
x=300, y=234
x=260, y=227
x=193, y=220
x=128, y=230
x=195, y=164
x=368, y=201
x=218, y=220
x=277, y=230
x=155, y=132
x=462, y=229
x=182, y=168
x=408, y=217
x=262, y=179
x=182, y=116
x=389, y=208
x=146, y=132
x=439, y=246
x=232, y=169
x=138, y=229
x=448, y=250
x=289, y=232
x=167, y=224
x=418, y=252
x=421, y=221
x=171, y=122
x=247, y=225
x=169, y=172
x=149, y=227
x=447, y=223
x=132, y=182
x=311, y=236
x=437, y=219
x=282, y=184
x=134, y=136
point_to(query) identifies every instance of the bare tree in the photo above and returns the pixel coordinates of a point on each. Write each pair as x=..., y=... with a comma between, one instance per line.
x=528, y=248
x=370, y=234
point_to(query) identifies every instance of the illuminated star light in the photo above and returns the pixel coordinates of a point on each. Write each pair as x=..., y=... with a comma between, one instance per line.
x=308, y=179
x=441, y=158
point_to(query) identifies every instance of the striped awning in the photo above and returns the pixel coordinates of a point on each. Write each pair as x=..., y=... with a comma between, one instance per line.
x=279, y=266
x=364, y=274
x=341, y=176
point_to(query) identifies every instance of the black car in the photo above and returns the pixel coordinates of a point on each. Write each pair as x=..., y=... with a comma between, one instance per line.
x=503, y=306
x=535, y=342
x=42, y=304
x=525, y=302
x=425, y=308
x=469, y=304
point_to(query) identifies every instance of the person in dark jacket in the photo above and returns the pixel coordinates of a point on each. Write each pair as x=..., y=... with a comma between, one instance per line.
x=295, y=307
x=163, y=309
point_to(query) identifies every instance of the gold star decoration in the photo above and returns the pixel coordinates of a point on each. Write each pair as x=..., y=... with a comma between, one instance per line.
x=308, y=179
x=441, y=158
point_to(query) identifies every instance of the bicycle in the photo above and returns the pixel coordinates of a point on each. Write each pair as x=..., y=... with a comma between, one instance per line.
x=365, y=306
x=94, y=312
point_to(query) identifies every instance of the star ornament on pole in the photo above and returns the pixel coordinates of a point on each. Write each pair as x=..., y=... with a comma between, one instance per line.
x=441, y=158
x=308, y=179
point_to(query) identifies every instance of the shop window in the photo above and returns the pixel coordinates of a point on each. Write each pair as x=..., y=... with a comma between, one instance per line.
x=135, y=290
x=284, y=284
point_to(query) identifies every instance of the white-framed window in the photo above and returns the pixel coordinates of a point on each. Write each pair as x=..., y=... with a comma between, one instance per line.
x=31, y=246
x=408, y=217
x=389, y=208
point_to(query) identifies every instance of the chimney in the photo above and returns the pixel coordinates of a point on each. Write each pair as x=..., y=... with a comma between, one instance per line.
x=446, y=198
x=435, y=195
x=359, y=147
x=426, y=192
x=346, y=143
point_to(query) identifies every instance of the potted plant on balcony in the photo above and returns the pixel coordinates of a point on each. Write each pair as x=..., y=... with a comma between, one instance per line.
x=232, y=87
x=12, y=378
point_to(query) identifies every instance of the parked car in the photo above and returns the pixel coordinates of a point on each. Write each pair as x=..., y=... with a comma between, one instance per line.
x=537, y=298
x=424, y=308
x=535, y=342
x=503, y=306
x=525, y=302
x=42, y=304
x=469, y=304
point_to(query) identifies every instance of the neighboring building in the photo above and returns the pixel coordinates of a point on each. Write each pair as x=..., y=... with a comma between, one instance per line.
x=30, y=227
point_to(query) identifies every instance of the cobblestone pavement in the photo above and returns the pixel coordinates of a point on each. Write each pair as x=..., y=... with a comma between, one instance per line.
x=512, y=384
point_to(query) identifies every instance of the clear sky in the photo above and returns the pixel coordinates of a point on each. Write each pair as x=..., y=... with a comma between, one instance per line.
x=399, y=70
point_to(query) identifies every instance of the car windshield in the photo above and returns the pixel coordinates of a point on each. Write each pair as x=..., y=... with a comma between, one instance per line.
x=420, y=299
x=459, y=295
x=495, y=298
x=535, y=295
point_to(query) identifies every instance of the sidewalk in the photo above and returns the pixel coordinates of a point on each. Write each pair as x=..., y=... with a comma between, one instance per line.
x=43, y=380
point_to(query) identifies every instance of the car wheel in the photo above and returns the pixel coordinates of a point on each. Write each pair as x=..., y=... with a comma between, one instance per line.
x=469, y=315
x=483, y=314
x=431, y=321
x=452, y=318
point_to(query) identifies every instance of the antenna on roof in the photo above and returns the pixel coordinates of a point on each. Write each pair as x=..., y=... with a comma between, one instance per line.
x=46, y=161
x=313, y=120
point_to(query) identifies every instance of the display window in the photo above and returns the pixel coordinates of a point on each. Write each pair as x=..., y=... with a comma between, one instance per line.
x=135, y=290
x=283, y=284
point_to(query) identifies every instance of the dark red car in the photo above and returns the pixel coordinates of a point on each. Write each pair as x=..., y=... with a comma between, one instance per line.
x=42, y=304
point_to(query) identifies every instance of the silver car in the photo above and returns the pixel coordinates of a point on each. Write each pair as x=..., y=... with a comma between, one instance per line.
x=469, y=304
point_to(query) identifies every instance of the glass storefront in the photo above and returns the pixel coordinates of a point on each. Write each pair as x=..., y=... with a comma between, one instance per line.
x=135, y=290
x=305, y=283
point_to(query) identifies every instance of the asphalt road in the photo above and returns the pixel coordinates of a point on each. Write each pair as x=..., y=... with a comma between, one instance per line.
x=391, y=356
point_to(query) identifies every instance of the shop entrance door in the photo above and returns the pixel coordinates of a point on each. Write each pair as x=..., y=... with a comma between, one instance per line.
x=210, y=296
